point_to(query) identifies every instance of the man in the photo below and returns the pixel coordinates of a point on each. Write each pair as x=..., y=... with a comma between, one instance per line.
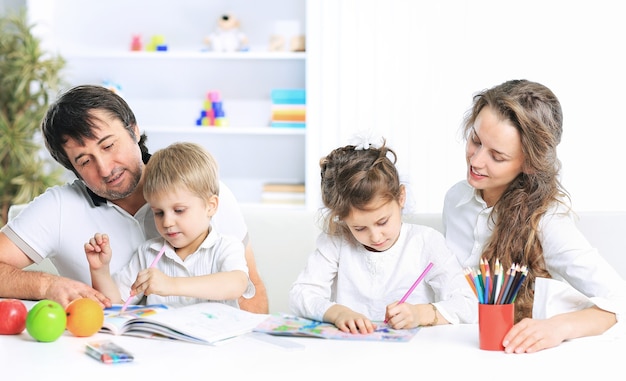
x=92, y=131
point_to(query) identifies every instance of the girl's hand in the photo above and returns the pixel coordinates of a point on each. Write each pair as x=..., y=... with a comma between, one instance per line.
x=348, y=321
x=98, y=251
x=401, y=316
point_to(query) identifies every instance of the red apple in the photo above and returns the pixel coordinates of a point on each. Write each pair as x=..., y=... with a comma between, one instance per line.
x=12, y=316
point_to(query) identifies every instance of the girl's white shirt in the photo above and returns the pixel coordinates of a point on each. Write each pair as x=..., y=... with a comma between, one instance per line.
x=341, y=272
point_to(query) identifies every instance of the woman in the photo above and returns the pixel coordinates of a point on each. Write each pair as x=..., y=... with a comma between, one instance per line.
x=512, y=207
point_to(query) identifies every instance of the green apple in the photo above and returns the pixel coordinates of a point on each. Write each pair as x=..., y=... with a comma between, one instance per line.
x=46, y=321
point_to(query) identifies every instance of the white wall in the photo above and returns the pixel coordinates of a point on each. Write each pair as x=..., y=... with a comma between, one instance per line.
x=408, y=69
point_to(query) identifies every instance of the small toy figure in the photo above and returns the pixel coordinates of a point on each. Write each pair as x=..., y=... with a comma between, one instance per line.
x=287, y=36
x=136, y=45
x=227, y=36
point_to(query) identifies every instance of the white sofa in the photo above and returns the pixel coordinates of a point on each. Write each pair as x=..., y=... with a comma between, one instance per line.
x=283, y=237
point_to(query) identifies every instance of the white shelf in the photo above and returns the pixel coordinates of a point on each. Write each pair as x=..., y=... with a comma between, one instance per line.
x=167, y=89
x=185, y=55
x=211, y=130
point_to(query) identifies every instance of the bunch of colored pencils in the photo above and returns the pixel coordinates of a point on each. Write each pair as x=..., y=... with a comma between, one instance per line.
x=497, y=287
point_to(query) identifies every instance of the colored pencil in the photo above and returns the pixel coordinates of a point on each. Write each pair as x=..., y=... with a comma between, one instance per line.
x=153, y=264
x=470, y=280
x=479, y=285
x=488, y=282
x=514, y=279
x=518, y=285
x=417, y=281
x=506, y=284
x=481, y=265
x=496, y=279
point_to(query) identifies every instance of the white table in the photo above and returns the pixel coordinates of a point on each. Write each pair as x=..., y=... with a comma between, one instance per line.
x=435, y=353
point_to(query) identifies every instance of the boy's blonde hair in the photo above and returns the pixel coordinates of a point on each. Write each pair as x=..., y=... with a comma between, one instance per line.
x=186, y=165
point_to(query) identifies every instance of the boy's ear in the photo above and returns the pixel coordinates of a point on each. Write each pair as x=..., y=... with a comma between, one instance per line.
x=212, y=204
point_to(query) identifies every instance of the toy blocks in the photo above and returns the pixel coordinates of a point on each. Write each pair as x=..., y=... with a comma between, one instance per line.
x=212, y=113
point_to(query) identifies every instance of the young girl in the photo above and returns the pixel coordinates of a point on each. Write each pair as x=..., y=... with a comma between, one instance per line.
x=513, y=208
x=367, y=258
x=182, y=187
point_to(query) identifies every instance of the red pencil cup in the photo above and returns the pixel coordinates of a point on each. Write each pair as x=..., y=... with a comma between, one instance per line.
x=494, y=321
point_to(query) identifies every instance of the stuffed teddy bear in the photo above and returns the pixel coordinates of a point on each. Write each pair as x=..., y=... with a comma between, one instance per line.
x=227, y=37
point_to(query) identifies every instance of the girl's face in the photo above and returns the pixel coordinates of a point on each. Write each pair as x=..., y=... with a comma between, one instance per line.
x=182, y=218
x=494, y=155
x=378, y=227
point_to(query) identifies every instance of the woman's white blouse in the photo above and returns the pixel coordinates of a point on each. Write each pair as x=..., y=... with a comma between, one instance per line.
x=366, y=282
x=568, y=255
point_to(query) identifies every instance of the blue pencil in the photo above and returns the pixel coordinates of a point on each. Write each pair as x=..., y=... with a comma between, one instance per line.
x=507, y=285
x=514, y=279
x=519, y=284
x=479, y=286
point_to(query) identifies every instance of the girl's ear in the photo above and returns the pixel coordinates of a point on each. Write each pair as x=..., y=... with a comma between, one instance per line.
x=402, y=198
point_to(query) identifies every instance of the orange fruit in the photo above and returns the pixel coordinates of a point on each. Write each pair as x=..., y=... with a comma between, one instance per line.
x=84, y=317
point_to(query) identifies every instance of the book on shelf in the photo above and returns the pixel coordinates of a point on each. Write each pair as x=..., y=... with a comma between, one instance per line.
x=204, y=323
x=287, y=325
x=288, y=124
x=288, y=108
x=288, y=96
x=284, y=187
x=283, y=193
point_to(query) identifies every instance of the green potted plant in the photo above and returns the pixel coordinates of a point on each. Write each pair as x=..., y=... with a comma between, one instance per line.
x=29, y=77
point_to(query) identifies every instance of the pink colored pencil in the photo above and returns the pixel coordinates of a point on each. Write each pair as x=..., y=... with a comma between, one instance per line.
x=417, y=281
x=153, y=264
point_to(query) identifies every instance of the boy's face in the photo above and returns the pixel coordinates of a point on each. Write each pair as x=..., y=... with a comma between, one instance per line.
x=378, y=226
x=110, y=165
x=182, y=218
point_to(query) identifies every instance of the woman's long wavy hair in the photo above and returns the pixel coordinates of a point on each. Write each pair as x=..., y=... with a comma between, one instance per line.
x=536, y=113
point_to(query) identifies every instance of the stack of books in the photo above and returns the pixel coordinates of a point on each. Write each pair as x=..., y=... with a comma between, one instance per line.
x=288, y=108
x=283, y=193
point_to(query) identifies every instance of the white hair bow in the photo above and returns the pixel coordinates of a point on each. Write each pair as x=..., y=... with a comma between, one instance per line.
x=365, y=140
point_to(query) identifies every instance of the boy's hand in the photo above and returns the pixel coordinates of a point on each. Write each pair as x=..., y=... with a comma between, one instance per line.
x=152, y=281
x=98, y=251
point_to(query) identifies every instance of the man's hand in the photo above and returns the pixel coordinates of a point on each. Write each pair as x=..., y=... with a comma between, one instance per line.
x=65, y=290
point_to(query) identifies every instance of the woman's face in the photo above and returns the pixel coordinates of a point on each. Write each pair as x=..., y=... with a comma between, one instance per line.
x=494, y=155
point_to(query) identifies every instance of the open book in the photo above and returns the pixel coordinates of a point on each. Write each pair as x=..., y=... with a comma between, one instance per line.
x=202, y=323
x=287, y=325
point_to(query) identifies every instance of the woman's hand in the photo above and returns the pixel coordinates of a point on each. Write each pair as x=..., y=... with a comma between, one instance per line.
x=532, y=335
